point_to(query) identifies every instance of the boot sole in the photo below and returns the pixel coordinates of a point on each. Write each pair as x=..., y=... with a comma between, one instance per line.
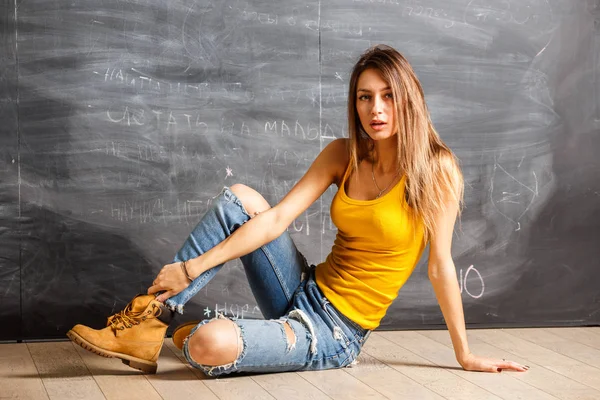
x=146, y=366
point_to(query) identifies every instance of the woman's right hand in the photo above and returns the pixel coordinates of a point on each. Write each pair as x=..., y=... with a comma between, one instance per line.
x=171, y=280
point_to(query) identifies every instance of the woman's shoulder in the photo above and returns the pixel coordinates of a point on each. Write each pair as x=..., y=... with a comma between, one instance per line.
x=447, y=164
x=339, y=148
x=338, y=156
x=448, y=174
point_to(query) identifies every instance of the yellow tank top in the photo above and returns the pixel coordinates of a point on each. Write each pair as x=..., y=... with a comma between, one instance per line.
x=376, y=249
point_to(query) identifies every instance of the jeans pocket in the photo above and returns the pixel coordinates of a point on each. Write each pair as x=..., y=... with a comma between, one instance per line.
x=339, y=328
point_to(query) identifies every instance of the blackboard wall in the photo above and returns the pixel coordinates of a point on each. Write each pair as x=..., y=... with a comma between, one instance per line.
x=122, y=119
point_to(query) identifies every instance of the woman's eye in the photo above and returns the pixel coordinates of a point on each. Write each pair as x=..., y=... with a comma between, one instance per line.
x=364, y=97
x=389, y=96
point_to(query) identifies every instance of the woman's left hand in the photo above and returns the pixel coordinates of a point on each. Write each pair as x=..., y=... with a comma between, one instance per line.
x=476, y=363
x=170, y=280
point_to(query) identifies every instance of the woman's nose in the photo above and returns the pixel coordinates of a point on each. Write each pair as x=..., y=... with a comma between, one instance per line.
x=377, y=107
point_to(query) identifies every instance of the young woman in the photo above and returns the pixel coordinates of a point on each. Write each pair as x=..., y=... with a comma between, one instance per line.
x=399, y=188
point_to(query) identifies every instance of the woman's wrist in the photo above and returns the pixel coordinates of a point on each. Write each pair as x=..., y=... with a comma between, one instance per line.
x=463, y=356
x=193, y=267
x=183, y=266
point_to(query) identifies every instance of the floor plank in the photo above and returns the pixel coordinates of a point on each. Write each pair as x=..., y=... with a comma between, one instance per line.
x=63, y=372
x=117, y=380
x=585, y=336
x=503, y=385
x=389, y=382
x=226, y=388
x=289, y=386
x=443, y=336
x=19, y=378
x=542, y=378
x=561, y=345
x=338, y=384
x=238, y=388
x=174, y=380
x=393, y=365
x=423, y=371
x=559, y=363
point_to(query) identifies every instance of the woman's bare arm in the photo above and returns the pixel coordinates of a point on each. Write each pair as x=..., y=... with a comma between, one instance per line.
x=442, y=274
x=270, y=224
x=266, y=226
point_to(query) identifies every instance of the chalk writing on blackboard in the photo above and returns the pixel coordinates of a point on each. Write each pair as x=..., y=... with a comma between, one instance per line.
x=463, y=283
x=232, y=310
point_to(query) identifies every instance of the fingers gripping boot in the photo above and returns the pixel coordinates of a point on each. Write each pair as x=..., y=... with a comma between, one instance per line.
x=135, y=335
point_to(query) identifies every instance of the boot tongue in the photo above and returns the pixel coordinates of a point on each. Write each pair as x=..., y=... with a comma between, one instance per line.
x=140, y=303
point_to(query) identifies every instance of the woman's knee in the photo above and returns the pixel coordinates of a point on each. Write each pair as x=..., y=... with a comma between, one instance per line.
x=253, y=202
x=216, y=343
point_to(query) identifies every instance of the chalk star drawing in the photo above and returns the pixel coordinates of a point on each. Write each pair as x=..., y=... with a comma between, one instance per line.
x=338, y=76
x=229, y=172
x=207, y=312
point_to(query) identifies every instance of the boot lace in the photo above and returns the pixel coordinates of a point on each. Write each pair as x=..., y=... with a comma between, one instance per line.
x=127, y=318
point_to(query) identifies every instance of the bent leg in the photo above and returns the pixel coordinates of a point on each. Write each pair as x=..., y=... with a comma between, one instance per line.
x=221, y=220
x=222, y=346
x=273, y=271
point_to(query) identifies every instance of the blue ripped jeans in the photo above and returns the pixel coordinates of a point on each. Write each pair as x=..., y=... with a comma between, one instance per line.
x=324, y=337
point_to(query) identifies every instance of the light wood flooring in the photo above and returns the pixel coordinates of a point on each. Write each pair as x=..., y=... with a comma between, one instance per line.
x=565, y=364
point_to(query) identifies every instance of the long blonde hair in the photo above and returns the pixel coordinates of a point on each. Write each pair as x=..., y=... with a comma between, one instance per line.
x=431, y=168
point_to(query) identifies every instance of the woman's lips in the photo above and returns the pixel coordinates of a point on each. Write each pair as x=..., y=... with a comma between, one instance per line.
x=378, y=125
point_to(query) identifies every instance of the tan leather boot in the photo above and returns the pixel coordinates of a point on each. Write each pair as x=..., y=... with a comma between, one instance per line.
x=183, y=331
x=135, y=335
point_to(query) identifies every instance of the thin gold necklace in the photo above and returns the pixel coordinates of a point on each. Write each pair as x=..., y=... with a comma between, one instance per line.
x=375, y=182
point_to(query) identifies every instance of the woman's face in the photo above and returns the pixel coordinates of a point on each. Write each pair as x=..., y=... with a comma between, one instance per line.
x=375, y=105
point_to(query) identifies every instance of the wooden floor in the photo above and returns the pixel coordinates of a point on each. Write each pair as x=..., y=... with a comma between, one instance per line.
x=565, y=364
